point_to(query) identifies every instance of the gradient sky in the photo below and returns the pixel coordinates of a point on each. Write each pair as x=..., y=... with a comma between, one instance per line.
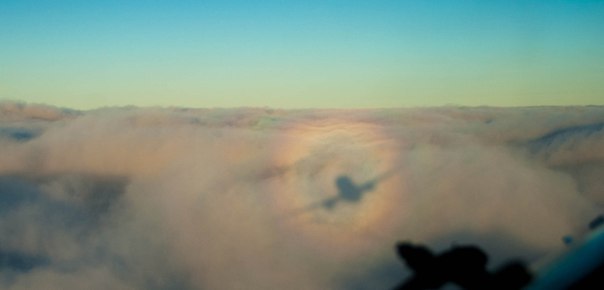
x=292, y=54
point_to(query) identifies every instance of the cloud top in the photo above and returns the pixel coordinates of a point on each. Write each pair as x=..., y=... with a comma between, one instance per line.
x=156, y=198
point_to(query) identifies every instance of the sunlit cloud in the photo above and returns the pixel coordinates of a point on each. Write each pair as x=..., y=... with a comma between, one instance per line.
x=152, y=198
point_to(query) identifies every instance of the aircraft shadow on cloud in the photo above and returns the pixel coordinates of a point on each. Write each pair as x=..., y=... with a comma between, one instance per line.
x=347, y=192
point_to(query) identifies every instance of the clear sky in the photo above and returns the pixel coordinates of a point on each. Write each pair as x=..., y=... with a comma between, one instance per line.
x=312, y=53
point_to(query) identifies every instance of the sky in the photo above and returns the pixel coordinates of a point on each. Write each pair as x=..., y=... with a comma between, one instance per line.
x=302, y=54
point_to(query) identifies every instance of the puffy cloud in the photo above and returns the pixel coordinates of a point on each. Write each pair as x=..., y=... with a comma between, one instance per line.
x=156, y=198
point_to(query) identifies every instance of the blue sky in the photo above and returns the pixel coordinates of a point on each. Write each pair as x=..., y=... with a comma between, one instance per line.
x=87, y=54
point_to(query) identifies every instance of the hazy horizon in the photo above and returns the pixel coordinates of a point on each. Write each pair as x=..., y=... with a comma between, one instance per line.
x=13, y=102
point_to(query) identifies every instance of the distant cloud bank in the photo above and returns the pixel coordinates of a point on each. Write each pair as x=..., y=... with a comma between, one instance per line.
x=158, y=198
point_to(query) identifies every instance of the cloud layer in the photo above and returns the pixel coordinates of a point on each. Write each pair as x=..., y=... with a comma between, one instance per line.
x=158, y=198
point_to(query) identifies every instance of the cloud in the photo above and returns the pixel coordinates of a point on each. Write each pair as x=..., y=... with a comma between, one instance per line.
x=158, y=198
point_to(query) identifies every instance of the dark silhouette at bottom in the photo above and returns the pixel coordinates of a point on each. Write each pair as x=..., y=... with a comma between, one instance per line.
x=461, y=265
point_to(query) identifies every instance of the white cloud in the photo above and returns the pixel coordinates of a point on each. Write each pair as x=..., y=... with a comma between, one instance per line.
x=129, y=198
